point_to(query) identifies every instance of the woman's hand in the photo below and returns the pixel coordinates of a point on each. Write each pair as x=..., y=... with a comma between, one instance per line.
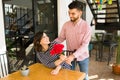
x=56, y=70
x=69, y=59
x=62, y=57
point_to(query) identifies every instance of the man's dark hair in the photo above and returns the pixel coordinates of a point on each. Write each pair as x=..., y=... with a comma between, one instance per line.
x=76, y=4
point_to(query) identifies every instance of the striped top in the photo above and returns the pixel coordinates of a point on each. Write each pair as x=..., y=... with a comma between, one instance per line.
x=77, y=38
x=48, y=60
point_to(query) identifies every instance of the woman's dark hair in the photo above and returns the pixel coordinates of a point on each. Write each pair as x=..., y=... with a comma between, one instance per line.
x=37, y=39
x=76, y=4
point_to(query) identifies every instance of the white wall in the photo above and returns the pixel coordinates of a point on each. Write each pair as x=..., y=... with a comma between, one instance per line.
x=89, y=17
x=62, y=14
x=2, y=43
x=2, y=35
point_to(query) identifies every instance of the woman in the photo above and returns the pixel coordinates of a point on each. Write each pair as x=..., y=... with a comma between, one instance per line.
x=43, y=46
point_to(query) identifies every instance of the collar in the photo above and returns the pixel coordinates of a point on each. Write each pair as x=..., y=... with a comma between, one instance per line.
x=77, y=22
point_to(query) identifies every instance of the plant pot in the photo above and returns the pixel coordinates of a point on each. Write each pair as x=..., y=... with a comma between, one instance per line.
x=116, y=69
x=25, y=72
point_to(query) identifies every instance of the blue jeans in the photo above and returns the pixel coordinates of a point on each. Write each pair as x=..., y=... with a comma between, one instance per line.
x=83, y=66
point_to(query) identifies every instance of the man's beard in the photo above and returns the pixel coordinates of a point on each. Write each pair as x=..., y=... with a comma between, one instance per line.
x=75, y=19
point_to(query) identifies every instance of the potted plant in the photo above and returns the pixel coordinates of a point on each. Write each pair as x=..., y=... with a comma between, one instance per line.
x=116, y=66
x=25, y=70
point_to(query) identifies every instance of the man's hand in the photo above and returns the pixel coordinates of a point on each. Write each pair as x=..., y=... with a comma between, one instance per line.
x=69, y=59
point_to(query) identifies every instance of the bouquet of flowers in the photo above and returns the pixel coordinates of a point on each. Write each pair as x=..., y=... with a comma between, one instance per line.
x=57, y=49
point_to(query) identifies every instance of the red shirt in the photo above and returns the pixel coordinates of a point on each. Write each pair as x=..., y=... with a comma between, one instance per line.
x=77, y=37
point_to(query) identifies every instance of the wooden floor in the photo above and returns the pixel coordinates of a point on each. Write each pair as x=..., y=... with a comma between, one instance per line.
x=100, y=70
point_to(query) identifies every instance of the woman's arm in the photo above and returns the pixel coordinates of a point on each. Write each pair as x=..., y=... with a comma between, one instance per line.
x=46, y=60
x=58, y=62
x=56, y=70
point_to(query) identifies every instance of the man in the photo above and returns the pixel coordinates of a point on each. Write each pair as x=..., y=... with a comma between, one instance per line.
x=77, y=34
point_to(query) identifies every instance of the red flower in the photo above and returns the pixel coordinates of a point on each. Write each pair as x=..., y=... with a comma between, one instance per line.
x=57, y=49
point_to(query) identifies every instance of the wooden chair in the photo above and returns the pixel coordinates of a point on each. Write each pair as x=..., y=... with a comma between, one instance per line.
x=3, y=65
x=68, y=52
